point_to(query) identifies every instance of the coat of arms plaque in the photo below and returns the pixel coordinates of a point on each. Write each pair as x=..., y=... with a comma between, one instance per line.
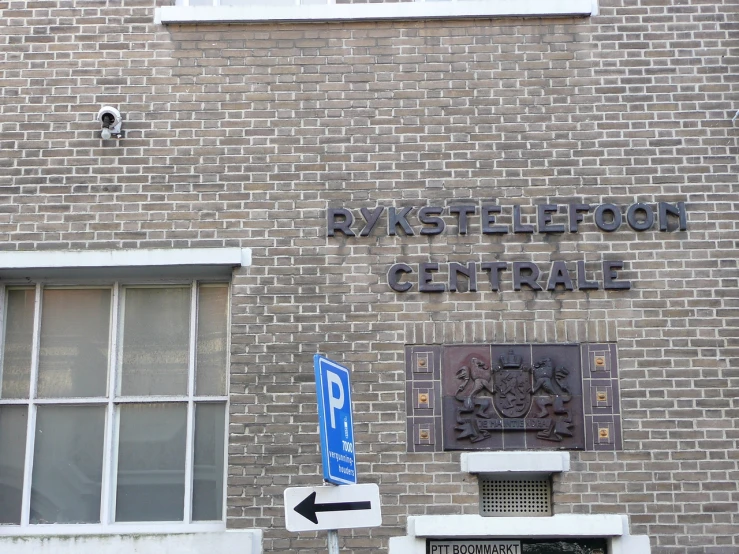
x=513, y=397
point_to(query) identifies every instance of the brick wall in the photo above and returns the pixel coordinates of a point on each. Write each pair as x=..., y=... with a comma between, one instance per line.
x=245, y=134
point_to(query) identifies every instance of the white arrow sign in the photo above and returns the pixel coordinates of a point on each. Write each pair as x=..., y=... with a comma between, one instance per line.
x=326, y=508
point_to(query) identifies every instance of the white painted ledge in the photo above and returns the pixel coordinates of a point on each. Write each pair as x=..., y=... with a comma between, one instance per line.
x=612, y=527
x=515, y=463
x=626, y=544
x=135, y=262
x=137, y=257
x=237, y=541
x=558, y=526
x=375, y=11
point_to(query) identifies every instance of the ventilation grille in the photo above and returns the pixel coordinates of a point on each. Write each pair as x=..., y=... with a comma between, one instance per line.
x=515, y=497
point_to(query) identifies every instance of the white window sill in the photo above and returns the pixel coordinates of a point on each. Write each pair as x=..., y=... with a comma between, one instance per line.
x=376, y=11
x=242, y=541
x=86, y=529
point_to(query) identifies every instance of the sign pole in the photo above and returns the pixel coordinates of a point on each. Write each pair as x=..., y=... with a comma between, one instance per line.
x=333, y=542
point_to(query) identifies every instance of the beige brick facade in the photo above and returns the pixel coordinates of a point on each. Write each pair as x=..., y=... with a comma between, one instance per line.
x=246, y=134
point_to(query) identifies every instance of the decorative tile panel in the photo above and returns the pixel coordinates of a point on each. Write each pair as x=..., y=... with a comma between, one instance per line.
x=603, y=403
x=423, y=398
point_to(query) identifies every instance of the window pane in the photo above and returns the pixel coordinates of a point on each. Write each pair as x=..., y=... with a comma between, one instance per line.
x=73, y=355
x=207, y=493
x=151, y=462
x=156, y=332
x=212, y=340
x=13, y=421
x=67, y=464
x=16, y=371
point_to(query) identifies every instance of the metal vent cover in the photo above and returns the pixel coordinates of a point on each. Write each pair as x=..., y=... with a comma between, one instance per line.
x=531, y=496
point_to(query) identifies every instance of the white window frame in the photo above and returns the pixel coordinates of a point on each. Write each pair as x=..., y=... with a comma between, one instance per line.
x=219, y=12
x=107, y=524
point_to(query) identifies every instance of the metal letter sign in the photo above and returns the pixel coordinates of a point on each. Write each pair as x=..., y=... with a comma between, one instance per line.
x=335, y=419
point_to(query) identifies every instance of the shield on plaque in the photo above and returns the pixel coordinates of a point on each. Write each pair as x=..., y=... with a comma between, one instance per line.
x=512, y=381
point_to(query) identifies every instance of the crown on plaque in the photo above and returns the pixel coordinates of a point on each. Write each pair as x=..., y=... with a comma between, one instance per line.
x=511, y=360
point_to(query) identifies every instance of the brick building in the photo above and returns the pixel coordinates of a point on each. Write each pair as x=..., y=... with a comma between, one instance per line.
x=515, y=222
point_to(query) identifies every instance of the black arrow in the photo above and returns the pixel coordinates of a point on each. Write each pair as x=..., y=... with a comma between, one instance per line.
x=308, y=507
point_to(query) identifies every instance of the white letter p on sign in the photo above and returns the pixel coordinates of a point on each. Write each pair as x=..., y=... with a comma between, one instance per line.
x=334, y=402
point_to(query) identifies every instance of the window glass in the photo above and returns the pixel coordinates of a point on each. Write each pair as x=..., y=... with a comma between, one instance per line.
x=67, y=464
x=13, y=422
x=207, y=495
x=75, y=331
x=212, y=340
x=16, y=370
x=168, y=371
x=156, y=336
x=151, y=462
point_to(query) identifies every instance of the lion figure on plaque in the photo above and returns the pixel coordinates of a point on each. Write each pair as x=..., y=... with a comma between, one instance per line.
x=551, y=389
x=480, y=375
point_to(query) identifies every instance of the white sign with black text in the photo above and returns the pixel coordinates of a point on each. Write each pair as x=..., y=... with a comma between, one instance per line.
x=471, y=546
x=328, y=508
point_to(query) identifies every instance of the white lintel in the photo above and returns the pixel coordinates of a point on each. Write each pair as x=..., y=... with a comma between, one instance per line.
x=557, y=526
x=615, y=530
x=510, y=463
x=37, y=264
x=375, y=11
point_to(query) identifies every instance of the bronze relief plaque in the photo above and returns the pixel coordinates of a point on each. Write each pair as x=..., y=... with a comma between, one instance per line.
x=512, y=397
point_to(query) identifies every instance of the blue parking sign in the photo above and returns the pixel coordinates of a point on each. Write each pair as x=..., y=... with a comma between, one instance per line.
x=335, y=421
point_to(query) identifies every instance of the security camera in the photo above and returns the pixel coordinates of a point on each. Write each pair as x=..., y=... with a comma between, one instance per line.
x=110, y=119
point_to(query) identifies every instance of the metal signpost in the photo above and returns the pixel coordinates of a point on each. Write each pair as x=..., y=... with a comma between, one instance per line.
x=349, y=505
x=333, y=392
